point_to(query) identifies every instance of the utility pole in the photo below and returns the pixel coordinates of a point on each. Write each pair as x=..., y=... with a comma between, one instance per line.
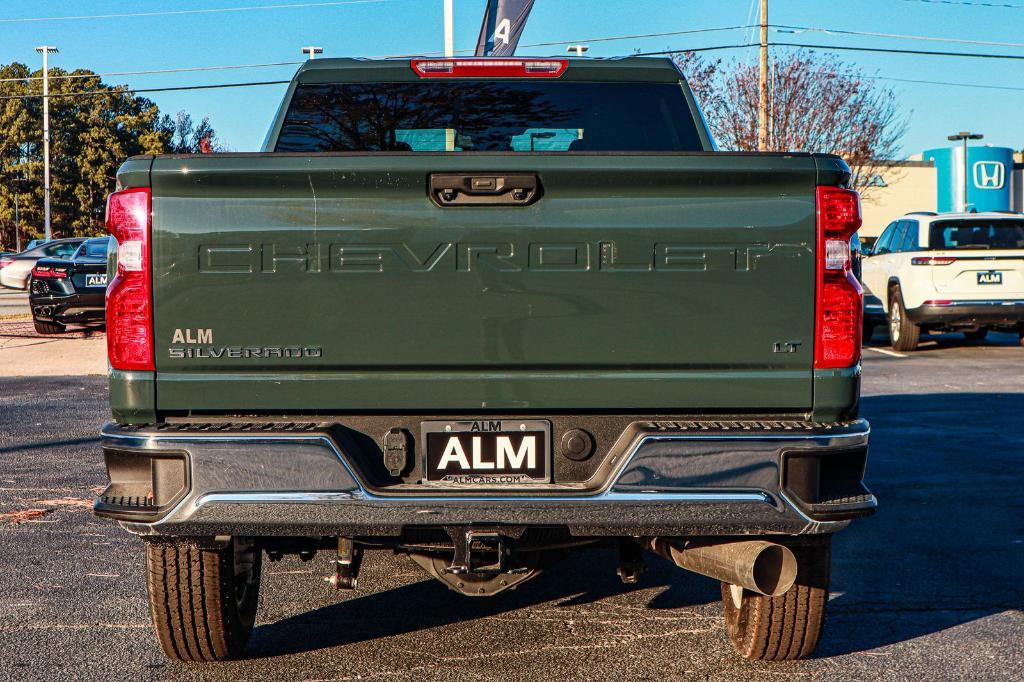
x=46, y=50
x=965, y=136
x=312, y=51
x=449, y=29
x=449, y=51
x=762, y=104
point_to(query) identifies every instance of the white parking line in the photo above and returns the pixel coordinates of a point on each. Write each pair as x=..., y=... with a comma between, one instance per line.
x=885, y=351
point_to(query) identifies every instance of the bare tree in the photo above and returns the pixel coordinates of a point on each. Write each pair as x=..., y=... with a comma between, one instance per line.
x=816, y=104
x=184, y=136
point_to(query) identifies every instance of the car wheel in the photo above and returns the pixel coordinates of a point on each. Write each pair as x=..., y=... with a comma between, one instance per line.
x=202, y=598
x=787, y=627
x=977, y=334
x=904, y=335
x=48, y=327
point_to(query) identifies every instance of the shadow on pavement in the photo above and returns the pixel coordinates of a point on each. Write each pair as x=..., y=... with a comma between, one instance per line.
x=946, y=546
x=24, y=329
x=934, y=342
x=581, y=578
x=947, y=543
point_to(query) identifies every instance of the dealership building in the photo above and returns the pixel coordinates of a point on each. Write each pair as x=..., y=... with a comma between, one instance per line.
x=934, y=181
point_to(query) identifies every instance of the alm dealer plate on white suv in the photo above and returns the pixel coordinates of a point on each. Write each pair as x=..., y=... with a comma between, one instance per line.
x=488, y=451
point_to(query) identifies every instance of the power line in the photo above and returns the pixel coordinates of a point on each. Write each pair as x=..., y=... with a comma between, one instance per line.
x=969, y=3
x=152, y=71
x=126, y=89
x=946, y=83
x=296, y=63
x=637, y=36
x=211, y=10
x=641, y=35
x=133, y=91
x=850, y=48
x=899, y=36
x=584, y=40
x=892, y=50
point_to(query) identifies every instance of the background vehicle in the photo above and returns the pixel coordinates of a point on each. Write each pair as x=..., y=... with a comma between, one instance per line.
x=71, y=291
x=36, y=242
x=874, y=313
x=579, y=326
x=16, y=270
x=949, y=272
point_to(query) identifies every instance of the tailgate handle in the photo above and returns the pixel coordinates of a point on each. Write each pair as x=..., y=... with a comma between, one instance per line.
x=483, y=189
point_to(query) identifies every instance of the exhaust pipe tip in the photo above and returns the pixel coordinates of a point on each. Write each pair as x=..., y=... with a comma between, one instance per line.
x=774, y=570
x=763, y=567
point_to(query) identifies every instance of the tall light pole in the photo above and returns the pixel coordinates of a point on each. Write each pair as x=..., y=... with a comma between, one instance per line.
x=449, y=29
x=965, y=136
x=46, y=50
x=762, y=101
x=449, y=51
x=312, y=51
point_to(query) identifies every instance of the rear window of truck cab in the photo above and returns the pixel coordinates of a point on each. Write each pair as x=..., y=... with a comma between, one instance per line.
x=975, y=233
x=490, y=116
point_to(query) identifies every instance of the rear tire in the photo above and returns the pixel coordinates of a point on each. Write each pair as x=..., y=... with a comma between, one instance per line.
x=977, y=334
x=784, y=628
x=904, y=335
x=202, y=598
x=48, y=327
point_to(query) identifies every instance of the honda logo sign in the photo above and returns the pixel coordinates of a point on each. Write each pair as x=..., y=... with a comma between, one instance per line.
x=989, y=175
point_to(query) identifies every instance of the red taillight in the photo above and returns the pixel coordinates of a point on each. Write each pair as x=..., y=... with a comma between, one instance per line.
x=839, y=298
x=933, y=260
x=489, y=68
x=49, y=273
x=129, y=296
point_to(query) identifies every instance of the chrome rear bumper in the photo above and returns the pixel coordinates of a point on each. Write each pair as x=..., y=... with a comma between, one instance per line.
x=732, y=479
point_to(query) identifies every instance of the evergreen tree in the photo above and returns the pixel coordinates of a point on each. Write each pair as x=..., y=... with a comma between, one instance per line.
x=90, y=136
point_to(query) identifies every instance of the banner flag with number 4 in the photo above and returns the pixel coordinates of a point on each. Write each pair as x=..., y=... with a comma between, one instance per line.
x=503, y=24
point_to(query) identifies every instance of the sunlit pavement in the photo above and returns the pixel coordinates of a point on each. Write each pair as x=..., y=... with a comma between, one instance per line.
x=13, y=302
x=24, y=352
x=931, y=587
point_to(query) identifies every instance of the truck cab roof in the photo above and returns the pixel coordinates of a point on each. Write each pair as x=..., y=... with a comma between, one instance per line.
x=355, y=70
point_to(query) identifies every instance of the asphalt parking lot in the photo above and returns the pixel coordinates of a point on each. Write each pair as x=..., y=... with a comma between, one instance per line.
x=931, y=587
x=13, y=302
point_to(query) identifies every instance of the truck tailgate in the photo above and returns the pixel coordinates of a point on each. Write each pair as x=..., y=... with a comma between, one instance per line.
x=331, y=282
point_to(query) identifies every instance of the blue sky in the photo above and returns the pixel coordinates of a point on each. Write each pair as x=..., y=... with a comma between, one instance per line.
x=370, y=28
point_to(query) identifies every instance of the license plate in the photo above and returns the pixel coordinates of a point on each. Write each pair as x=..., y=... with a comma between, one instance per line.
x=488, y=452
x=96, y=280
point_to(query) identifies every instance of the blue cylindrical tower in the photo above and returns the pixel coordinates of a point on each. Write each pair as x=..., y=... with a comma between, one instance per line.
x=989, y=171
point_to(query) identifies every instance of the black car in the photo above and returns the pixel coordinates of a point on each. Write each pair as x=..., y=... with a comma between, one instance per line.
x=63, y=292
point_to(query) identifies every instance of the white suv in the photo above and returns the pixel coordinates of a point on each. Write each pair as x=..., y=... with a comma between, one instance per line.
x=949, y=272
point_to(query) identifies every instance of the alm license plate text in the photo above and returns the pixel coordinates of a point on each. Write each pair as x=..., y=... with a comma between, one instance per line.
x=991, y=277
x=488, y=452
x=96, y=280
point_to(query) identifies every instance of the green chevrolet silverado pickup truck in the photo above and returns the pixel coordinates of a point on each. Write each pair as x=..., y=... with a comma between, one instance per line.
x=483, y=312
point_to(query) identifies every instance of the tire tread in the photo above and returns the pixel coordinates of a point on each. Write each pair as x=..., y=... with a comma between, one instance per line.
x=787, y=627
x=192, y=601
x=48, y=327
